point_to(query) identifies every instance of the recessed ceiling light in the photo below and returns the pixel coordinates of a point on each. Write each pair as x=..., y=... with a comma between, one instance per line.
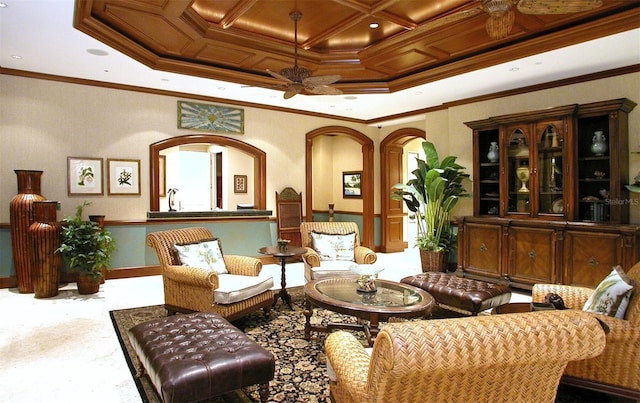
x=374, y=25
x=221, y=88
x=3, y=5
x=106, y=71
x=97, y=52
x=17, y=57
x=514, y=69
x=417, y=93
x=350, y=97
x=164, y=79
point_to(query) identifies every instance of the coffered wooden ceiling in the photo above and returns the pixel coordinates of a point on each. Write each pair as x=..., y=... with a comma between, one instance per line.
x=416, y=42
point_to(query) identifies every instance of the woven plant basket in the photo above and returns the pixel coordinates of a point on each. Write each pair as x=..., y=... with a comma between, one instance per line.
x=433, y=261
x=88, y=284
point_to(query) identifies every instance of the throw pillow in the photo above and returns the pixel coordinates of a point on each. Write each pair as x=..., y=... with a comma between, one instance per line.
x=334, y=246
x=608, y=297
x=206, y=255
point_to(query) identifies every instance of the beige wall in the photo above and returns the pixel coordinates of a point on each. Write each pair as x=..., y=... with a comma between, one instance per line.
x=43, y=122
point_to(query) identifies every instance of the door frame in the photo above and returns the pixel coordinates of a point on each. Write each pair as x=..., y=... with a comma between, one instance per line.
x=392, y=211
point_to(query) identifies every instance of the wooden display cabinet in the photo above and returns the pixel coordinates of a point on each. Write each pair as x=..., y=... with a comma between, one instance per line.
x=550, y=194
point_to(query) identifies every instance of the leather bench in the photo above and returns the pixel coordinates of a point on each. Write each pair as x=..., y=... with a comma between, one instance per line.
x=199, y=356
x=463, y=295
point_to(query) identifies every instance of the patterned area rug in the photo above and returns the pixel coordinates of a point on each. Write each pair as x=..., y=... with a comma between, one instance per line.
x=300, y=364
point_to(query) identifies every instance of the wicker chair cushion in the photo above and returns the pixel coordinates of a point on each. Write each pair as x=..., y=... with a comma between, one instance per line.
x=334, y=246
x=333, y=268
x=234, y=288
x=611, y=297
x=206, y=255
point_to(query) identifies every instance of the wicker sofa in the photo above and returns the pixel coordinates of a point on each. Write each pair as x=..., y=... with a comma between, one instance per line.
x=493, y=358
x=314, y=267
x=189, y=289
x=617, y=369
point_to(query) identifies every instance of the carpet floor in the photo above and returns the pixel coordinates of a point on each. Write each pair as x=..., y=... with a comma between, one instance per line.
x=300, y=364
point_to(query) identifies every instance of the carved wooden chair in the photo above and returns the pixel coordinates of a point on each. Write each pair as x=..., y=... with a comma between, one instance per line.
x=289, y=215
x=190, y=289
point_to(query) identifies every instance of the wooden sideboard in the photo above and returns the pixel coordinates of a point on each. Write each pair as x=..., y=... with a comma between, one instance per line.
x=521, y=253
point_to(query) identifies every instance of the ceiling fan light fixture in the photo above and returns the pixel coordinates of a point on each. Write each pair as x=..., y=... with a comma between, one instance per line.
x=298, y=79
x=498, y=27
x=496, y=8
x=296, y=73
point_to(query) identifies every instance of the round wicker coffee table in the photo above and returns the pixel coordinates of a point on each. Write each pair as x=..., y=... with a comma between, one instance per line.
x=391, y=300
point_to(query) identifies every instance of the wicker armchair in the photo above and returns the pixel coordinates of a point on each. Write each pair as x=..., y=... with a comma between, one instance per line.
x=314, y=268
x=492, y=358
x=617, y=369
x=189, y=289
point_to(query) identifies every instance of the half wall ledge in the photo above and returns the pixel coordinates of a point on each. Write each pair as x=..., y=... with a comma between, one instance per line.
x=164, y=215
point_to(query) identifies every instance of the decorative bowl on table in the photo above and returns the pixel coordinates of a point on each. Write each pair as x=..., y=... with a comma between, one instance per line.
x=368, y=273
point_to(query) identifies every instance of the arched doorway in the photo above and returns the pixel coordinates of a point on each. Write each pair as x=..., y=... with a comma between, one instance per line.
x=367, y=236
x=391, y=172
x=259, y=164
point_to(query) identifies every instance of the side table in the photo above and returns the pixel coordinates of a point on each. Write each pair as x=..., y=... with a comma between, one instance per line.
x=283, y=255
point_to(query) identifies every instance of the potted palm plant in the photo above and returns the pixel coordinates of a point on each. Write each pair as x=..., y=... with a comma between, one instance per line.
x=431, y=195
x=87, y=249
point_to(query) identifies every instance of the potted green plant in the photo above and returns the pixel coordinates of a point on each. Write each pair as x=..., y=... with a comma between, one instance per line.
x=87, y=249
x=431, y=195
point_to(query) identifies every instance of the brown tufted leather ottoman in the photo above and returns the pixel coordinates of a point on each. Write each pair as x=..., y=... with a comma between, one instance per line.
x=199, y=356
x=460, y=294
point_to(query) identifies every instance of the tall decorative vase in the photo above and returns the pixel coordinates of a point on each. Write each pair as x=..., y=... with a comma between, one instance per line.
x=599, y=146
x=20, y=218
x=493, y=154
x=45, y=238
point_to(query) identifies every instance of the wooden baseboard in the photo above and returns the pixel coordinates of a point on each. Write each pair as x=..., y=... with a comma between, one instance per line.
x=70, y=277
x=8, y=282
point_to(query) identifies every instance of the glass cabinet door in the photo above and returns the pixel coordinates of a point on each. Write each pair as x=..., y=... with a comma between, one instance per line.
x=550, y=184
x=518, y=171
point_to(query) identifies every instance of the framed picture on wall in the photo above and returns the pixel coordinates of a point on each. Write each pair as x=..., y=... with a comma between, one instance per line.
x=124, y=177
x=351, y=181
x=84, y=176
x=211, y=118
x=239, y=183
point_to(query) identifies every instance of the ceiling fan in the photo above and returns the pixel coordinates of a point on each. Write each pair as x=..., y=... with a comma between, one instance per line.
x=298, y=80
x=502, y=15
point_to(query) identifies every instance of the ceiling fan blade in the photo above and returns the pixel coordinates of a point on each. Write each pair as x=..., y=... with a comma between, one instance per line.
x=292, y=90
x=323, y=90
x=321, y=80
x=279, y=76
x=557, y=6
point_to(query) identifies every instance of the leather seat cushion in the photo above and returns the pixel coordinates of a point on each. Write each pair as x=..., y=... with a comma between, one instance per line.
x=199, y=356
x=235, y=288
x=459, y=292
